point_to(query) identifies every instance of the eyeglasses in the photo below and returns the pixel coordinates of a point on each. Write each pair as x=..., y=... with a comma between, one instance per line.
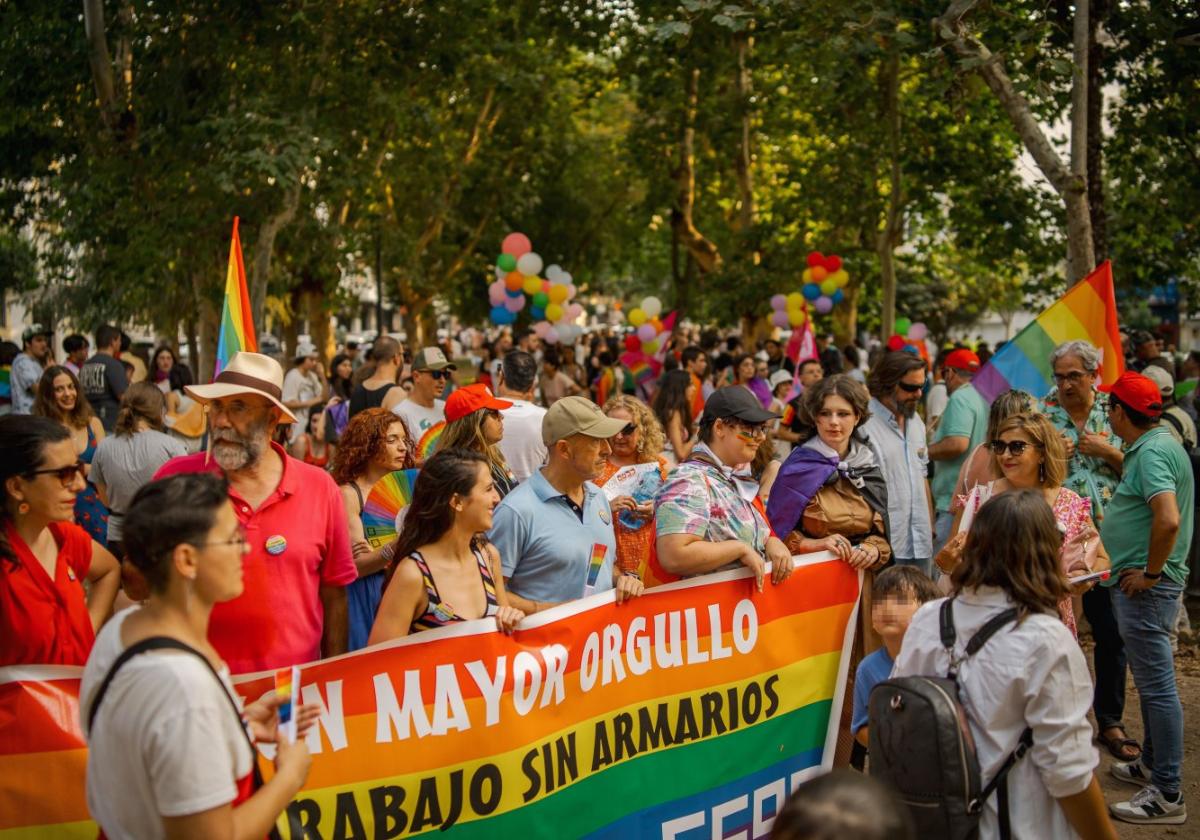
x=65, y=474
x=629, y=429
x=239, y=540
x=1074, y=377
x=1016, y=447
x=757, y=430
x=909, y=387
x=437, y=374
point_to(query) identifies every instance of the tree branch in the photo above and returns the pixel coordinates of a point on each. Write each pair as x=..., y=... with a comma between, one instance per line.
x=100, y=60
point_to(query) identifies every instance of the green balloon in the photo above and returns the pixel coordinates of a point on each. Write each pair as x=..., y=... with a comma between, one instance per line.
x=506, y=262
x=540, y=300
x=902, y=325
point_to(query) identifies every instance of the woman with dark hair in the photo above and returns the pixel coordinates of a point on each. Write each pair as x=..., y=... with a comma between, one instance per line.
x=1029, y=676
x=448, y=571
x=341, y=377
x=375, y=443
x=185, y=419
x=979, y=467
x=745, y=374
x=474, y=421
x=160, y=367
x=60, y=399
x=168, y=752
x=130, y=457
x=311, y=445
x=673, y=407
x=45, y=559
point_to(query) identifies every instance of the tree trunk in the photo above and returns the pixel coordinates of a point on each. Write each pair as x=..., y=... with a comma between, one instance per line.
x=745, y=156
x=193, y=342
x=1097, y=205
x=100, y=60
x=1069, y=182
x=264, y=247
x=889, y=237
x=708, y=259
x=209, y=329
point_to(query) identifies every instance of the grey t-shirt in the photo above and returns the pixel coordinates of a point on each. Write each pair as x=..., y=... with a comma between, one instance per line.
x=103, y=381
x=123, y=463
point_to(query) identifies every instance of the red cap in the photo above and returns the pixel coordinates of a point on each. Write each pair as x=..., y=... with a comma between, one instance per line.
x=471, y=398
x=962, y=360
x=1138, y=392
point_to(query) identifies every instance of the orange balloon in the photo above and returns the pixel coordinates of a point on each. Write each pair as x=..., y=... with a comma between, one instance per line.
x=514, y=281
x=819, y=273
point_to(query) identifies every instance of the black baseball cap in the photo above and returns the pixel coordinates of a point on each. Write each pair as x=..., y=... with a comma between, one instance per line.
x=736, y=402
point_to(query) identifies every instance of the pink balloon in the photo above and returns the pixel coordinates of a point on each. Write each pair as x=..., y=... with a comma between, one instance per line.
x=918, y=331
x=551, y=336
x=514, y=304
x=575, y=310
x=646, y=332
x=517, y=244
x=779, y=302
x=541, y=328
x=780, y=318
x=497, y=299
x=571, y=290
x=823, y=304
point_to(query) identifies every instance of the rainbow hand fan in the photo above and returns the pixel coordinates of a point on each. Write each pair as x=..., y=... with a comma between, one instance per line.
x=429, y=441
x=387, y=498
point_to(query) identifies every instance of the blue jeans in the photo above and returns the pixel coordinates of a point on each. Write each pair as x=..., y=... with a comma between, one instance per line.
x=941, y=529
x=1146, y=621
x=925, y=564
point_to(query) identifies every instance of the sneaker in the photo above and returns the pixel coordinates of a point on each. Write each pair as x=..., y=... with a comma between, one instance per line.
x=1148, y=806
x=1130, y=772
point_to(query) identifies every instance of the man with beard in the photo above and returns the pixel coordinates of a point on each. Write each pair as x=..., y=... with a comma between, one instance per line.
x=897, y=434
x=298, y=561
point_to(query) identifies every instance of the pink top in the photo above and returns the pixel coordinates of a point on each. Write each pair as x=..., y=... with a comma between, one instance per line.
x=299, y=542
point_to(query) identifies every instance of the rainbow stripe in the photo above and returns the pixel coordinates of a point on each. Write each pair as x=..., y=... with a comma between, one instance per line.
x=383, y=504
x=429, y=441
x=237, y=320
x=1088, y=311
x=599, y=552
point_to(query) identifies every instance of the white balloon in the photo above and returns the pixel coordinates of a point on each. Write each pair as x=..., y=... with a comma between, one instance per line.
x=529, y=264
x=651, y=305
x=553, y=272
x=500, y=273
x=566, y=277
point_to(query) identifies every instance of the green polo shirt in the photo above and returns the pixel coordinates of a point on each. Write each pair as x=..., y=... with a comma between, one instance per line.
x=966, y=415
x=1154, y=464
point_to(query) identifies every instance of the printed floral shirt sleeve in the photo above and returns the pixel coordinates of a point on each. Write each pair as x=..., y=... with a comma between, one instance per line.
x=682, y=505
x=1088, y=476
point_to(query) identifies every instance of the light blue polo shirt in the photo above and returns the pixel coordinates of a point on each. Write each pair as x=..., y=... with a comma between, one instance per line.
x=545, y=549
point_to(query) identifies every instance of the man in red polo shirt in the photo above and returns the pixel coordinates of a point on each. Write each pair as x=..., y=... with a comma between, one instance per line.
x=293, y=608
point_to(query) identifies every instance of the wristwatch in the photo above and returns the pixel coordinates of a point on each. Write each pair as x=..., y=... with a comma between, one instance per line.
x=1151, y=575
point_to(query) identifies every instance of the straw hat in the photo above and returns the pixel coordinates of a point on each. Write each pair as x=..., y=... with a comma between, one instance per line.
x=246, y=373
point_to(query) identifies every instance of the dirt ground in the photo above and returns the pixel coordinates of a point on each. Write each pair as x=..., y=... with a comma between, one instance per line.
x=1187, y=668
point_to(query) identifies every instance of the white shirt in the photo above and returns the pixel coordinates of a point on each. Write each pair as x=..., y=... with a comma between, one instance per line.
x=1029, y=674
x=419, y=418
x=300, y=387
x=522, y=442
x=935, y=403
x=166, y=742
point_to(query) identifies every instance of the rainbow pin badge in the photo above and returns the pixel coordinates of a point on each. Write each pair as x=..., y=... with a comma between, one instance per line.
x=599, y=552
x=276, y=545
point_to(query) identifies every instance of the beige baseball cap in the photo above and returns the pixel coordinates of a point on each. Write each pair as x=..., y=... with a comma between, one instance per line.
x=432, y=358
x=577, y=416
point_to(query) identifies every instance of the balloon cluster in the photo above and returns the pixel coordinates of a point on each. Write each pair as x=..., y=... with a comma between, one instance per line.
x=517, y=286
x=789, y=310
x=649, y=333
x=910, y=336
x=824, y=280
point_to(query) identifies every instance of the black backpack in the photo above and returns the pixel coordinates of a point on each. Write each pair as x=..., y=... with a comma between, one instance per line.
x=921, y=744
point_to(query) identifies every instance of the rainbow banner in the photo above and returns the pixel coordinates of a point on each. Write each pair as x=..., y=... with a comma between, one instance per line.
x=692, y=711
x=237, y=320
x=1088, y=311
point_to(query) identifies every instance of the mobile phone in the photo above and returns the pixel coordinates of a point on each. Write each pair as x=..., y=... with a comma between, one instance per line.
x=1088, y=578
x=287, y=688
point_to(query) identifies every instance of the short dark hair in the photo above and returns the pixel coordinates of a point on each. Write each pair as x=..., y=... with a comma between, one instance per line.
x=1137, y=418
x=841, y=385
x=690, y=354
x=904, y=582
x=167, y=513
x=74, y=342
x=841, y=804
x=106, y=334
x=888, y=372
x=520, y=371
x=800, y=367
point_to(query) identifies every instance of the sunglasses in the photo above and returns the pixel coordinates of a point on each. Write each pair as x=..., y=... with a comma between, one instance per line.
x=65, y=474
x=629, y=429
x=752, y=430
x=1016, y=447
x=912, y=389
x=437, y=374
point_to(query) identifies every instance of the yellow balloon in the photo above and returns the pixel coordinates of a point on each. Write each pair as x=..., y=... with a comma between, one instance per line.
x=795, y=301
x=840, y=277
x=828, y=286
x=637, y=317
x=532, y=285
x=795, y=317
x=557, y=295
x=554, y=311
x=806, y=276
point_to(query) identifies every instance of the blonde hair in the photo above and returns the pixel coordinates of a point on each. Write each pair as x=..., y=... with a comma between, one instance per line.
x=1042, y=432
x=467, y=433
x=652, y=439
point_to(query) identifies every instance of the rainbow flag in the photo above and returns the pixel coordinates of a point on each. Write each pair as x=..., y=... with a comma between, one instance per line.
x=599, y=552
x=605, y=385
x=427, y=445
x=237, y=321
x=1088, y=311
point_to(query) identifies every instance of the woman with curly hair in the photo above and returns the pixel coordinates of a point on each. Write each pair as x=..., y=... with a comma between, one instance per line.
x=474, y=422
x=673, y=407
x=640, y=442
x=375, y=443
x=60, y=399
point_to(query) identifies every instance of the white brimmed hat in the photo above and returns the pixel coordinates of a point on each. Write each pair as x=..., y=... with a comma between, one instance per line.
x=246, y=373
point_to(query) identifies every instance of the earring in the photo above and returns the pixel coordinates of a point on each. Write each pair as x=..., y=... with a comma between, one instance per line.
x=1041, y=472
x=23, y=508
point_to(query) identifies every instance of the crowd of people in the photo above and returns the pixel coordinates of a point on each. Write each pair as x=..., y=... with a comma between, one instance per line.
x=232, y=517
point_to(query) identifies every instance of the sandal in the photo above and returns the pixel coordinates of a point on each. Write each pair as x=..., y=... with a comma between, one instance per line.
x=1118, y=747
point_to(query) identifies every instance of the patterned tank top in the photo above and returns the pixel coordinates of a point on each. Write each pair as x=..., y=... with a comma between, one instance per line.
x=438, y=613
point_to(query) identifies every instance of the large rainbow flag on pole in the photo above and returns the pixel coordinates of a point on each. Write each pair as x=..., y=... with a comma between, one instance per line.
x=237, y=321
x=1088, y=311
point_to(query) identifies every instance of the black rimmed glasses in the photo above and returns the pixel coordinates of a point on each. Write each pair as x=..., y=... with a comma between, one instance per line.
x=65, y=474
x=1074, y=377
x=1016, y=447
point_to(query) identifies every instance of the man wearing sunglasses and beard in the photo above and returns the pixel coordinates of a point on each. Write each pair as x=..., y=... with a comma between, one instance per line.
x=897, y=435
x=423, y=410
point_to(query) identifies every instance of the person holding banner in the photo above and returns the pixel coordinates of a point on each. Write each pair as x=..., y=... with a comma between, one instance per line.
x=375, y=443
x=447, y=572
x=707, y=515
x=46, y=559
x=168, y=752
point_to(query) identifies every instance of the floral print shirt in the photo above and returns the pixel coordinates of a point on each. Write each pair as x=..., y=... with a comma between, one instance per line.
x=1090, y=477
x=704, y=498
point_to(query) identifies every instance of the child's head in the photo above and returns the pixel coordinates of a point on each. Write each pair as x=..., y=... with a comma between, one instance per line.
x=898, y=592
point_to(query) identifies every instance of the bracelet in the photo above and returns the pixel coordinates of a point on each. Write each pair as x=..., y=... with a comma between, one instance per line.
x=1151, y=575
x=630, y=573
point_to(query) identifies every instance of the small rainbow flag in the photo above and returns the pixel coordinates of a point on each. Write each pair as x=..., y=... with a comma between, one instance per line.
x=427, y=445
x=1088, y=311
x=287, y=689
x=237, y=321
x=599, y=552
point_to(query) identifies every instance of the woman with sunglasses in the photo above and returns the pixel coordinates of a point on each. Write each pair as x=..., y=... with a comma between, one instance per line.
x=170, y=746
x=979, y=466
x=376, y=442
x=60, y=398
x=474, y=422
x=640, y=442
x=45, y=559
x=673, y=407
x=1028, y=453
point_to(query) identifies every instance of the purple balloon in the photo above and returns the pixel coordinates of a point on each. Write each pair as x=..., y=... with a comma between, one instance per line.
x=497, y=299
x=780, y=318
x=646, y=332
x=779, y=302
x=515, y=304
x=823, y=304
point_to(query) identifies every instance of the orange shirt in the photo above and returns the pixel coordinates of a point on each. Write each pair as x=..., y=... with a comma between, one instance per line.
x=633, y=544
